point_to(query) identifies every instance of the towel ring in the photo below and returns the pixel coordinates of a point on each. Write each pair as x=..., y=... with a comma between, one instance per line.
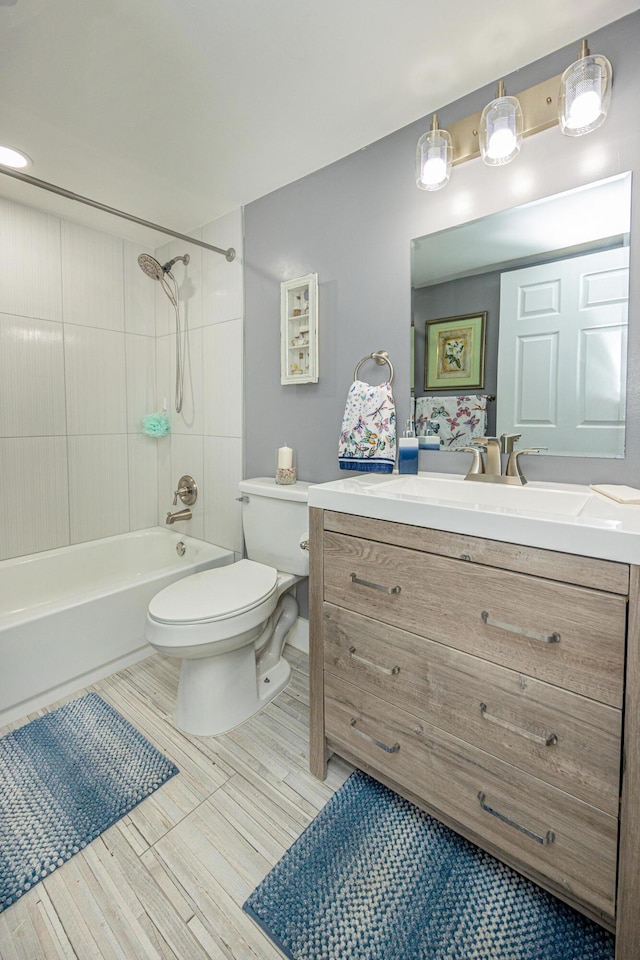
x=380, y=357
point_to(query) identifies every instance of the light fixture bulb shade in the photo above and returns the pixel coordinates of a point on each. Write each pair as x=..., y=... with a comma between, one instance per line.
x=585, y=95
x=434, y=154
x=501, y=126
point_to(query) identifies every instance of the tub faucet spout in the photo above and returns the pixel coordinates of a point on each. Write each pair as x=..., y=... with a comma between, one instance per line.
x=179, y=515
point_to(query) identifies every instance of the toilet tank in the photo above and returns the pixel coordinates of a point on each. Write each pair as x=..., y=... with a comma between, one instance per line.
x=275, y=519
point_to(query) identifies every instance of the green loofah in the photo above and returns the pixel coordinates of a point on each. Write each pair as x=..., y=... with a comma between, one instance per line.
x=156, y=424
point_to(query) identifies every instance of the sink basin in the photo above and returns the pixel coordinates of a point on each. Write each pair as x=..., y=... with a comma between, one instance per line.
x=554, y=516
x=479, y=495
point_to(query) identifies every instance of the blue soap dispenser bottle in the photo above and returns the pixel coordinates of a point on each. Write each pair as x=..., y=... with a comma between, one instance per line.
x=408, y=451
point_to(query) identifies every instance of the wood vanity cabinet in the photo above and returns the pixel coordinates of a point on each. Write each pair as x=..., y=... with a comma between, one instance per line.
x=486, y=682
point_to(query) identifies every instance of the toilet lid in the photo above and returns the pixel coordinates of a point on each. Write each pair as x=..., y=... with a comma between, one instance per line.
x=215, y=594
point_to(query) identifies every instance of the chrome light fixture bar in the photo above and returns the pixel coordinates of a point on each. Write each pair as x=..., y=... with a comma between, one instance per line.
x=578, y=100
x=539, y=106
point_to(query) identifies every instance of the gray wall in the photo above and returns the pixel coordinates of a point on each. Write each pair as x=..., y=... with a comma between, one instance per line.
x=352, y=224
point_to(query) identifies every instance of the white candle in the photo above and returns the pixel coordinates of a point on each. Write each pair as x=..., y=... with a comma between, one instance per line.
x=285, y=458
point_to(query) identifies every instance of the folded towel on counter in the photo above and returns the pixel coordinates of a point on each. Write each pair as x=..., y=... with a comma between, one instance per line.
x=368, y=436
x=618, y=492
x=455, y=420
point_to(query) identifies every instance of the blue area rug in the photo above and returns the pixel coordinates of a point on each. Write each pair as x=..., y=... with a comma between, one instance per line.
x=64, y=778
x=374, y=877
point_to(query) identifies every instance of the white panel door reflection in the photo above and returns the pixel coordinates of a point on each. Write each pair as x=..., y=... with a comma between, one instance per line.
x=562, y=354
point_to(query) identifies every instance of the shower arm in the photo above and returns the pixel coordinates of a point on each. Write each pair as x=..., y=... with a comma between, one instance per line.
x=229, y=254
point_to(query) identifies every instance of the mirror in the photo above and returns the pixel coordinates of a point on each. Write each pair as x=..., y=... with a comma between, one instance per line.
x=552, y=278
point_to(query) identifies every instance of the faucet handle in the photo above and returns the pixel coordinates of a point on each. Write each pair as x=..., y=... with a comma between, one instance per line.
x=187, y=491
x=516, y=453
x=477, y=465
x=513, y=466
x=508, y=441
x=183, y=493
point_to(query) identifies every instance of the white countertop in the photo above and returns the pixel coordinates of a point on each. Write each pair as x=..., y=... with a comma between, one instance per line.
x=601, y=527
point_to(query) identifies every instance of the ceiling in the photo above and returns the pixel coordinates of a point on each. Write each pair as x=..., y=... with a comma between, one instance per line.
x=178, y=111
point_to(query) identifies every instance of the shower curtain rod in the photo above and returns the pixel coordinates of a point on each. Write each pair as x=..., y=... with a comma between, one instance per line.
x=229, y=254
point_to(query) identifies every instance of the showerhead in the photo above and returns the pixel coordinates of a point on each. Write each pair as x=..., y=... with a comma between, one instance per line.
x=150, y=266
x=156, y=270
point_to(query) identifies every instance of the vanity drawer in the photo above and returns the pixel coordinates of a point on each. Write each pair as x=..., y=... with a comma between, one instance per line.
x=566, y=635
x=563, y=738
x=607, y=575
x=545, y=830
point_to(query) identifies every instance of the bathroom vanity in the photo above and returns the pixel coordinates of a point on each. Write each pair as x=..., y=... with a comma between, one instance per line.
x=477, y=652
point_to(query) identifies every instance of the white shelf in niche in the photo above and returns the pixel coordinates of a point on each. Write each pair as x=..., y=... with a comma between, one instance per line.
x=299, y=330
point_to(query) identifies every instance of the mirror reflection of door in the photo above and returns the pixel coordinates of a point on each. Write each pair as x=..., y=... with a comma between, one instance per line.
x=562, y=354
x=458, y=271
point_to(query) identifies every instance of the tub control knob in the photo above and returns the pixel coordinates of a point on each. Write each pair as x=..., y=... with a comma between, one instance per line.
x=187, y=491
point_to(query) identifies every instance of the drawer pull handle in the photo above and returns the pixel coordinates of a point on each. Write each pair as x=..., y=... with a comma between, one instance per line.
x=390, y=671
x=374, y=586
x=543, y=741
x=548, y=838
x=521, y=631
x=378, y=743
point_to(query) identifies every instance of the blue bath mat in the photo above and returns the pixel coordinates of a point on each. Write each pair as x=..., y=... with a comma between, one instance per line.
x=374, y=877
x=64, y=778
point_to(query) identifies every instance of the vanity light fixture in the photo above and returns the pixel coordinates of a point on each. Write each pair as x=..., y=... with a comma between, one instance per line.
x=433, y=157
x=10, y=157
x=585, y=93
x=578, y=100
x=501, y=126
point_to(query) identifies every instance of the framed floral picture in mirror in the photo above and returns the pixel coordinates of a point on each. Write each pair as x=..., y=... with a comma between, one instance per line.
x=454, y=352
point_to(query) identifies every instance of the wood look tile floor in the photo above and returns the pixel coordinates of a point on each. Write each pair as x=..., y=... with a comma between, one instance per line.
x=167, y=882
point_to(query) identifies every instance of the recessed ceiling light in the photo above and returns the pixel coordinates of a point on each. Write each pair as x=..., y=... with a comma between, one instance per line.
x=13, y=158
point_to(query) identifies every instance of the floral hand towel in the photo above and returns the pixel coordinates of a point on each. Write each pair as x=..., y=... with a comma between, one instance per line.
x=368, y=437
x=456, y=420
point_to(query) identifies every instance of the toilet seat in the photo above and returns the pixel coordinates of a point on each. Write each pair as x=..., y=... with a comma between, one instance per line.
x=215, y=595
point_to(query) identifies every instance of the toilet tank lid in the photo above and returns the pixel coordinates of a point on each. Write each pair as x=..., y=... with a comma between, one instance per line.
x=267, y=487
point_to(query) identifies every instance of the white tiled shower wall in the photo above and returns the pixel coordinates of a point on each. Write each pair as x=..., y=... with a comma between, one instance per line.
x=85, y=352
x=207, y=436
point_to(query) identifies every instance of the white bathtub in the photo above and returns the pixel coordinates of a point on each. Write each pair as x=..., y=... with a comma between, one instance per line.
x=72, y=615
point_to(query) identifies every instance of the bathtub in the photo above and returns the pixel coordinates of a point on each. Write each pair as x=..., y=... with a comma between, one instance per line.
x=73, y=615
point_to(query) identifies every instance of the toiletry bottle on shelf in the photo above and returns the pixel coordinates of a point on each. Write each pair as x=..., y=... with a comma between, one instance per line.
x=408, y=451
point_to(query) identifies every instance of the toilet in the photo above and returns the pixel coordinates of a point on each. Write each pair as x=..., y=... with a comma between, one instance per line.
x=228, y=625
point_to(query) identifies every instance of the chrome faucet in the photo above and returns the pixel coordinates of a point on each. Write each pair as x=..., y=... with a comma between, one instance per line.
x=492, y=447
x=179, y=515
x=490, y=471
